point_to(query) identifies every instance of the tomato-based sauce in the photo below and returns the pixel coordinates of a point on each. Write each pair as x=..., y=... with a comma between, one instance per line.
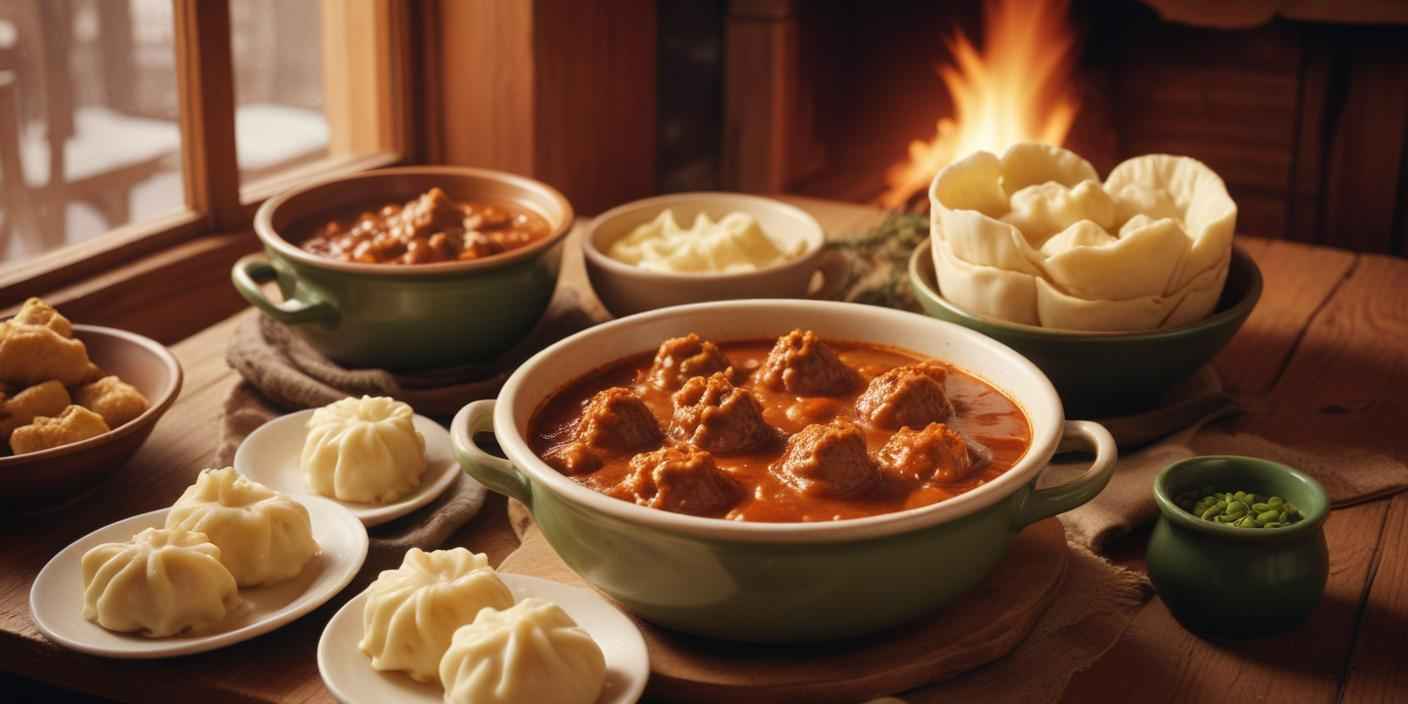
x=777, y=474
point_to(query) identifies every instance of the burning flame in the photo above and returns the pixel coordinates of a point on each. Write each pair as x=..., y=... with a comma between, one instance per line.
x=1017, y=90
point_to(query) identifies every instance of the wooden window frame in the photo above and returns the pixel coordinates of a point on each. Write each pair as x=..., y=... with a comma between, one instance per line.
x=370, y=120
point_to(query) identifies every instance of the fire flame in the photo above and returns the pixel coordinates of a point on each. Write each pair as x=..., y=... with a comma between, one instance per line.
x=1018, y=89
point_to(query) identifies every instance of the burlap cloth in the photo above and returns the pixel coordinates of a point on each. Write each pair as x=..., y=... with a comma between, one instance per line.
x=282, y=373
x=1206, y=421
x=1097, y=601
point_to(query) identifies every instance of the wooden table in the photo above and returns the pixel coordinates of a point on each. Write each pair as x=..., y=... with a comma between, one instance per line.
x=1325, y=355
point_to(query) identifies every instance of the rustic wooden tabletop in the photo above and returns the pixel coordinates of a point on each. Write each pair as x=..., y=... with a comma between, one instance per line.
x=1324, y=356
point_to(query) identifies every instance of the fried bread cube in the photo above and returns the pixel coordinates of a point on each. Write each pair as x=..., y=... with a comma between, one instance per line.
x=34, y=354
x=75, y=424
x=47, y=399
x=112, y=398
x=37, y=312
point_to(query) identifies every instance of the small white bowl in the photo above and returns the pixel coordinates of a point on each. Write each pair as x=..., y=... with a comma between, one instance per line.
x=270, y=456
x=349, y=675
x=56, y=599
x=626, y=289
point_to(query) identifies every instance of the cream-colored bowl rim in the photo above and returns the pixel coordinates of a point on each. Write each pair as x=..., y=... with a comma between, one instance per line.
x=264, y=225
x=1043, y=444
x=815, y=238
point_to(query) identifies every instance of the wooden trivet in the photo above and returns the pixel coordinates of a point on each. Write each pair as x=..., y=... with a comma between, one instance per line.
x=983, y=626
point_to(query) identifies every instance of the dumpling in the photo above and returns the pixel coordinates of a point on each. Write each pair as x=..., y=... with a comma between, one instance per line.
x=264, y=537
x=37, y=312
x=112, y=398
x=160, y=583
x=363, y=449
x=47, y=399
x=412, y=611
x=75, y=424
x=533, y=652
x=34, y=354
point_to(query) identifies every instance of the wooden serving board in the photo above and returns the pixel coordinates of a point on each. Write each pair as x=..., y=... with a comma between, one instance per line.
x=981, y=627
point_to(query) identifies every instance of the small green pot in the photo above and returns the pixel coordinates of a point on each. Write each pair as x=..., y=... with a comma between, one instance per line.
x=1105, y=374
x=1225, y=582
x=404, y=317
x=779, y=582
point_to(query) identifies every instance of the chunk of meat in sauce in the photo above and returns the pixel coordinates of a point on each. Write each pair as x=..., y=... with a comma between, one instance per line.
x=714, y=414
x=800, y=363
x=682, y=358
x=909, y=396
x=574, y=458
x=828, y=460
x=615, y=421
x=937, y=453
x=682, y=479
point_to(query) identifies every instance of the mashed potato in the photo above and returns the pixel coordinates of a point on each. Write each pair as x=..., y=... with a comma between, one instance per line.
x=735, y=243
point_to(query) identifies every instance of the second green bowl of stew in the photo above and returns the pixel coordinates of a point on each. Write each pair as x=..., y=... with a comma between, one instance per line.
x=404, y=317
x=780, y=582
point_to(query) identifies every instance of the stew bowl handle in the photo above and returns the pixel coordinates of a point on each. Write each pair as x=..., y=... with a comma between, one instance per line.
x=254, y=269
x=1044, y=503
x=494, y=472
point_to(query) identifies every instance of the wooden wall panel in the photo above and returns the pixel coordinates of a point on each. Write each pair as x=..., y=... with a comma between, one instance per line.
x=558, y=90
x=594, y=85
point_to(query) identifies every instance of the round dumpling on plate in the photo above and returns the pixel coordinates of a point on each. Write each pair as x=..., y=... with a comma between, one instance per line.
x=533, y=652
x=159, y=583
x=412, y=611
x=364, y=449
x=264, y=537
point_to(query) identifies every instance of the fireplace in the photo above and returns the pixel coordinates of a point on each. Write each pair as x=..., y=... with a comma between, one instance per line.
x=1306, y=118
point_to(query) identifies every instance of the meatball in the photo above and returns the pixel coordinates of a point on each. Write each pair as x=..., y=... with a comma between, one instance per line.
x=909, y=396
x=799, y=363
x=936, y=453
x=828, y=460
x=682, y=358
x=616, y=422
x=681, y=479
x=718, y=416
x=574, y=458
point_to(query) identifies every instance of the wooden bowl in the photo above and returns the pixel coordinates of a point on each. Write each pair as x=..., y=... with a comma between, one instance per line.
x=43, y=478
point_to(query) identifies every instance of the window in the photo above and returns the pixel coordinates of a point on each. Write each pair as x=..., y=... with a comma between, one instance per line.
x=89, y=139
x=128, y=126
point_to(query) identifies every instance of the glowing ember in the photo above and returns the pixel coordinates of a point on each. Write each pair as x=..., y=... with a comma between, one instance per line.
x=1017, y=90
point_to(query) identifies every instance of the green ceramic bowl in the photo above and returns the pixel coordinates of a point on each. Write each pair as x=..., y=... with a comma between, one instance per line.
x=1104, y=374
x=404, y=317
x=1225, y=582
x=779, y=582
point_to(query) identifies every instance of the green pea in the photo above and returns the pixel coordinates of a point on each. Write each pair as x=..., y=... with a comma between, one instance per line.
x=1240, y=509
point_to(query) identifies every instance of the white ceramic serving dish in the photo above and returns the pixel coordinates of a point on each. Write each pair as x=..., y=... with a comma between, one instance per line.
x=350, y=677
x=56, y=599
x=270, y=456
x=626, y=289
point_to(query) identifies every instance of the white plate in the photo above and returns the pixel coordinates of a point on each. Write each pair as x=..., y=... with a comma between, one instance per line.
x=350, y=677
x=270, y=456
x=56, y=599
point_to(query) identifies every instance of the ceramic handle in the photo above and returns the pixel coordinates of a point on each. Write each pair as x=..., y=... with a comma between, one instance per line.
x=494, y=472
x=835, y=271
x=252, y=270
x=1044, y=503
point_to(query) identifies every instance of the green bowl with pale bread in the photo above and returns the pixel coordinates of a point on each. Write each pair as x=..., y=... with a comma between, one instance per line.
x=1103, y=374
